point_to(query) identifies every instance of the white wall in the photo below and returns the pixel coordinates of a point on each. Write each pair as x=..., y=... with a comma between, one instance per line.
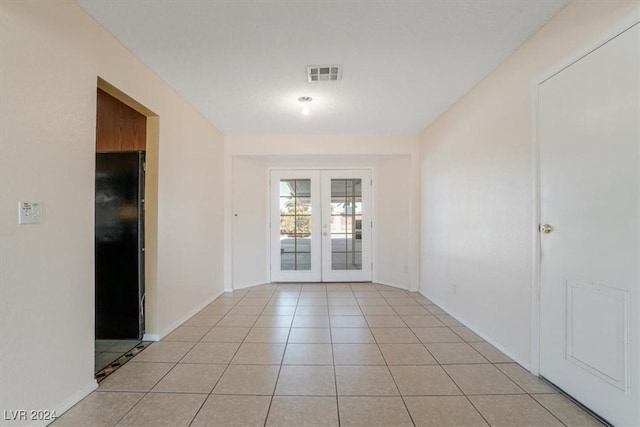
x=393, y=227
x=394, y=161
x=52, y=54
x=250, y=222
x=477, y=202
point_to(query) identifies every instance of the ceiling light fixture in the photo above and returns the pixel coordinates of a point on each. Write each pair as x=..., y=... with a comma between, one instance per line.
x=306, y=100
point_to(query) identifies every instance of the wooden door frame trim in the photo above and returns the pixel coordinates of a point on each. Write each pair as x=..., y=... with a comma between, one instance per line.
x=630, y=20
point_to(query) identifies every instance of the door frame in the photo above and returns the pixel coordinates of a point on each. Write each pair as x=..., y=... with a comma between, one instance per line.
x=151, y=201
x=322, y=167
x=615, y=30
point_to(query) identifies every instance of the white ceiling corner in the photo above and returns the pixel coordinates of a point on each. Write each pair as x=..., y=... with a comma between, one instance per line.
x=243, y=64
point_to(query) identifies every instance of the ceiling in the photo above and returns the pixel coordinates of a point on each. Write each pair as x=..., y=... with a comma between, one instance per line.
x=242, y=64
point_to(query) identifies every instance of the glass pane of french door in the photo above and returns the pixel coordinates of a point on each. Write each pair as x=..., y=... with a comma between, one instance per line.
x=295, y=224
x=346, y=224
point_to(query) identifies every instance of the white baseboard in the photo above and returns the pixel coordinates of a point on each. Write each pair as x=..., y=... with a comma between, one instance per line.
x=187, y=316
x=68, y=403
x=379, y=282
x=487, y=338
x=151, y=337
x=237, y=288
x=328, y=283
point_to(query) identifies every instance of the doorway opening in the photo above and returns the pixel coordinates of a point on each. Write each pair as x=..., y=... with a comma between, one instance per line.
x=125, y=226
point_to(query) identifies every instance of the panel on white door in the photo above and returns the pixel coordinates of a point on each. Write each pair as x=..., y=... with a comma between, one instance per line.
x=598, y=314
x=589, y=136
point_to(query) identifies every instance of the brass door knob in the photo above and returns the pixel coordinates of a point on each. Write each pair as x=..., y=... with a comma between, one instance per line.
x=546, y=228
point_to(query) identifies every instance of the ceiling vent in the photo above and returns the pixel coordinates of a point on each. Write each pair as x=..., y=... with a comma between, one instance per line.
x=324, y=73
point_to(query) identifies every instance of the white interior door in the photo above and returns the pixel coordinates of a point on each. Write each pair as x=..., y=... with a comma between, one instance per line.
x=320, y=226
x=346, y=226
x=589, y=137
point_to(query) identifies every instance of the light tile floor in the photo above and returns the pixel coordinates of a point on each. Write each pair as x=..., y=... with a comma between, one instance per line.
x=323, y=355
x=107, y=351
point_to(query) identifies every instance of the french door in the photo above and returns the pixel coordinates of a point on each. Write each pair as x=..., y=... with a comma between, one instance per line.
x=320, y=225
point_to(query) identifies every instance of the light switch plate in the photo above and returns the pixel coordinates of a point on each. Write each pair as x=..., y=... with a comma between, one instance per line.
x=29, y=213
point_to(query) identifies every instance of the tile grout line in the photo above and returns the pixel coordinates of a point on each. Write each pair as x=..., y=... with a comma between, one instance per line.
x=489, y=362
x=335, y=375
x=146, y=393
x=447, y=373
x=464, y=394
x=232, y=357
x=187, y=352
x=455, y=383
x=536, y=400
x=223, y=371
x=386, y=364
x=284, y=352
x=192, y=347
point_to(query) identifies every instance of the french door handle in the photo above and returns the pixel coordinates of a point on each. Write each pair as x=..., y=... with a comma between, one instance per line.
x=325, y=234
